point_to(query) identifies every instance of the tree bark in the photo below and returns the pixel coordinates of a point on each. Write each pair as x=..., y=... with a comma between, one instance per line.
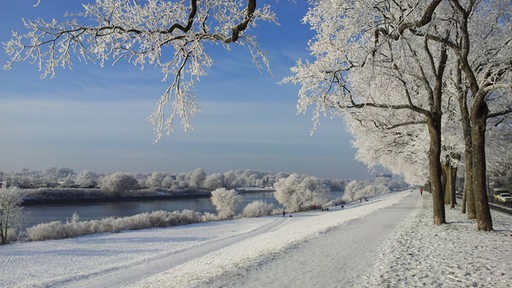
x=479, y=122
x=436, y=188
x=446, y=181
x=479, y=112
x=453, y=179
x=434, y=130
x=468, y=176
x=464, y=198
x=450, y=175
x=468, y=202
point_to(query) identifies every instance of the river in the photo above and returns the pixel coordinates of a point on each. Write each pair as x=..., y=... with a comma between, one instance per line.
x=37, y=214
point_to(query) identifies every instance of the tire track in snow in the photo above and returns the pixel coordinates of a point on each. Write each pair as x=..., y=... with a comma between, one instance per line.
x=123, y=275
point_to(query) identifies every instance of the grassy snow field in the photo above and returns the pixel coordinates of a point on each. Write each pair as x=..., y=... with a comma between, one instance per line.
x=421, y=254
x=414, y=254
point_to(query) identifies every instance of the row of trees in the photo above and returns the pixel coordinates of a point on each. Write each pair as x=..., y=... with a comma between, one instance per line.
x=198, y=178
x=118, y=182
x=419, y=83
x=298, y=192
x=295, y=192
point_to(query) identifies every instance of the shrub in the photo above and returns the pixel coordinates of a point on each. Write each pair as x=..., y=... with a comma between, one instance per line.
x=361, y=189
x=118, y=183
x=298, y=192
x=225, y=201
x=74, y=228
x=87, y=179
x=257, y=208
x=10, y=213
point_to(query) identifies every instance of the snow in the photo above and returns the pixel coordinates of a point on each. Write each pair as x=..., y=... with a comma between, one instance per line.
x=389, y=241
x=455, y=255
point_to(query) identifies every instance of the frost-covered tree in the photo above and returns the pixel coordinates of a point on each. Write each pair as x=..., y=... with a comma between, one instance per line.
x=356, y=190
x=214, y=181
x=172, y=35
x=155, y=180
x=183, y=180
x=249, y=177
x=483, y=48
x=352, y=189
x=369, y=53
x=362, y=71
x=10, y=212
x=403, y=150
x=87, y=179
x=231, y=179
x=168, y=181
x=118, y=183
x=225, y=201
x=197, y=178
x=299, y=192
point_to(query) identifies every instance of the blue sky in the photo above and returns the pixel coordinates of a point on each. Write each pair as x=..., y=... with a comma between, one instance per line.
x=95, y=118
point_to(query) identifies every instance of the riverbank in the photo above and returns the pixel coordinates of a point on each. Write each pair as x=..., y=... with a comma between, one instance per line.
x=59, y=196
x=186, y=255
x=417, y=254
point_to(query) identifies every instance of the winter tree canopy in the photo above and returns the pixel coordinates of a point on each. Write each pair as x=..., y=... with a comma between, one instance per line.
x=396, y=71
x=118, y=183
x=225, y=201
x=10, y=212
x=387, y=65
x=171, y=35
x=299, y=192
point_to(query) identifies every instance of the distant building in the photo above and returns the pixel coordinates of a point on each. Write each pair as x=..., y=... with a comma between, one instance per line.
x=384, y=175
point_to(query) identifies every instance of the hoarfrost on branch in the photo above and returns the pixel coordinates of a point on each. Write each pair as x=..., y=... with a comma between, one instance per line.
x=172, y=35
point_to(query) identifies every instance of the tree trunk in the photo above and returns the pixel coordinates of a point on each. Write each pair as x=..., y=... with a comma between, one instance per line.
x=479, y=122
x=464, y=198
x=468, y=202
x=453, y=179
x=468, y=184
x=449, y=176
x=436, y=188
x=446, y=181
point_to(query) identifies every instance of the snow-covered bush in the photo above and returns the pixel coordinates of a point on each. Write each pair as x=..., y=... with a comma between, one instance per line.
x=87, y=179
x=10, y=213
x=257, y=208
x=118, y=183
x=352, y=189
x=155, y=180
x=168, y=181
x=74, y=228
x=214, y=181
x=360, y=189
x=225, y=201
x=299, y=192
x=197, y=178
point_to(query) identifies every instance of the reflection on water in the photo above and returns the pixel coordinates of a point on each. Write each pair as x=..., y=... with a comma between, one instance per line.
x=47, y=213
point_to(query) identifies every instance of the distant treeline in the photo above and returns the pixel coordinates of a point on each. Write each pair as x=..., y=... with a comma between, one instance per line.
x=165, y=181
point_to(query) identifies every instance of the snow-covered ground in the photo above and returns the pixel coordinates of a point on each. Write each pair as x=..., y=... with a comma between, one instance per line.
x=387, y=242
x=454, y=255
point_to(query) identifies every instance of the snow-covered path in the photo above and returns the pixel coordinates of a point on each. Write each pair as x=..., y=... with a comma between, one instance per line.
x=213, y=254
x=338, y=257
